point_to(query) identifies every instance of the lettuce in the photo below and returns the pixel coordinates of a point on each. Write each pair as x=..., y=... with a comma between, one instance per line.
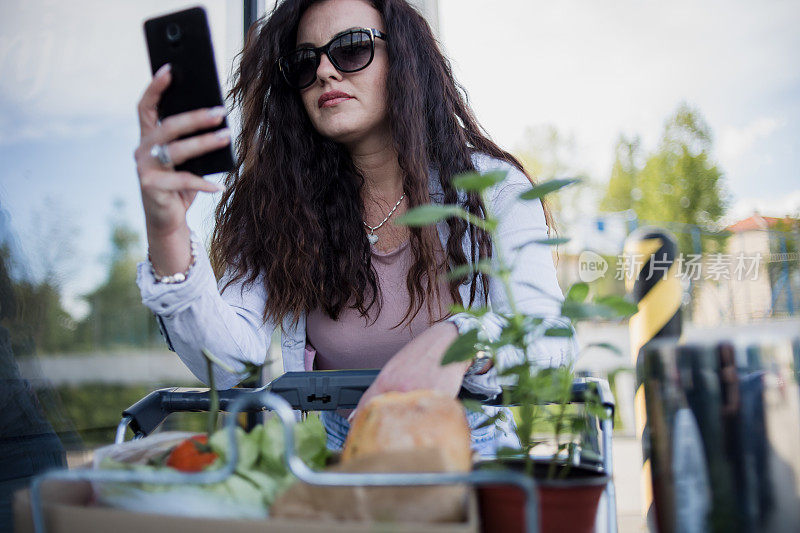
x=247, y=444
x=260, y=475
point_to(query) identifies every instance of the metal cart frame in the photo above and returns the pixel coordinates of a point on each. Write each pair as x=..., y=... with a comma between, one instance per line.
x=319, y=391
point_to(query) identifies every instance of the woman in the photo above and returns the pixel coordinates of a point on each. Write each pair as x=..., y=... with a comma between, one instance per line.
x=350, y=116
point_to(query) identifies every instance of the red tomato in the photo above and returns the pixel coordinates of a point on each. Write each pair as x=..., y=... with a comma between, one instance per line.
x=192, y=455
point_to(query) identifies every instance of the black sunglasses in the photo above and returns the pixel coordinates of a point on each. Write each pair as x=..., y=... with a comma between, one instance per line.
x=349, y=51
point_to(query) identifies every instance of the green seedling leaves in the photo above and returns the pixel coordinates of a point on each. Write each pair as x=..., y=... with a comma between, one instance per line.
x=513, y=333
x=553, y=241
x=577, y=425
x=604, y=346
x=594, y=408
x=472, y=405
x=472, y=311
x=515, y=370
x=559, y=332
x=547, y=187
x=578, y=292
x=543, y=394
x=428, y=214
x=473, y=181
x=425, y=215
x=605, y=308
x=584, y=311
x=490, y=421
x=618, y=304
x=484, y=265
x=216, y=360
x=462, y=349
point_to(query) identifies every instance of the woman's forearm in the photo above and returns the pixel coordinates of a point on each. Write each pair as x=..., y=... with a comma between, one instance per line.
x=170, y=253
x=197, y=316
x=418, y=366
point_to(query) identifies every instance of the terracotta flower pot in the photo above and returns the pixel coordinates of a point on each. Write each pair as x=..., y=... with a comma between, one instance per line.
x=567, y=505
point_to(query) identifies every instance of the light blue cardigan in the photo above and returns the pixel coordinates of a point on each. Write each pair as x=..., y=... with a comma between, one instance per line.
x=194, y=314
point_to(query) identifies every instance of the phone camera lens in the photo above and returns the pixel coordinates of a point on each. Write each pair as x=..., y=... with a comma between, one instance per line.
x=173, y=32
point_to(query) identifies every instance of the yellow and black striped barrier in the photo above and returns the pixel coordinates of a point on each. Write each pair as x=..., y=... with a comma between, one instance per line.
x=652, y=278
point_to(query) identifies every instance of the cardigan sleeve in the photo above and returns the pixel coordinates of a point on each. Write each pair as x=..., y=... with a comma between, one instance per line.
x=195, y=314
x=533, y=283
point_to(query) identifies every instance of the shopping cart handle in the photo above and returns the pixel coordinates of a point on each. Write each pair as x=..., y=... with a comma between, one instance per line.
x=600, y=386
x=580, y=388
x=148, y=413
x=305, y=391
x=326, y=390
x=323, y=390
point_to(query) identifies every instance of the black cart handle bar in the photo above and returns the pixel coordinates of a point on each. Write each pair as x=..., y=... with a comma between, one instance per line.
x=325, y=390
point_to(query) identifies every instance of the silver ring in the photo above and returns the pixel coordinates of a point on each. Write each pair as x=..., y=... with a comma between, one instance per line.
x=160, y=152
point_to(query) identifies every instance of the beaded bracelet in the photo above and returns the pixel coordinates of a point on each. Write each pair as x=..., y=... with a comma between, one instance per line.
x=180, y=277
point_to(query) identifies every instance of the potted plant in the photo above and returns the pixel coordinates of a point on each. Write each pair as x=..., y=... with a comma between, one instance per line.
x=569, y=491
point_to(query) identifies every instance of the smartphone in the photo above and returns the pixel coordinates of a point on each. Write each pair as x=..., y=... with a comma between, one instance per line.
x=183, y=39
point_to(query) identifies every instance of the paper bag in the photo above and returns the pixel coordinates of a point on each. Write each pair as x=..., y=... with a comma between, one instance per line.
x=438, y=503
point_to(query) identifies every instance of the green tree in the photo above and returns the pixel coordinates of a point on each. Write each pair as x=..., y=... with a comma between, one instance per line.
x=42, y=325
x=622, y=193
x=546, y=153
x=678, y=185
x=35, y=318
x=117, y=316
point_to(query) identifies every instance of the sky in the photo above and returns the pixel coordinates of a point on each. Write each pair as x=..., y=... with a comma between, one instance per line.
x=71, y=74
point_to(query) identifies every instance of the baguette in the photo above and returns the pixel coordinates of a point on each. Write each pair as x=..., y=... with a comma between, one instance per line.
x=406, y=421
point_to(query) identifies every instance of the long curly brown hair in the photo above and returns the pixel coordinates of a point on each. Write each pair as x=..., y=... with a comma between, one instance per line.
x=291, y=215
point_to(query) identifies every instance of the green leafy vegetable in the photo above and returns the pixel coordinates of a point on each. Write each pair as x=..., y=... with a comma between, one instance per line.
x=260, y=475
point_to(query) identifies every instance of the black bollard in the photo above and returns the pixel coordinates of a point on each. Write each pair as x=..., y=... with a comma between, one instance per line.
x=652, y=279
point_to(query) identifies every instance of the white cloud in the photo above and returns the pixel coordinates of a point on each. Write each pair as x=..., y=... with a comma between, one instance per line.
x=736, y=142
x=598, y=69
x=773, y=206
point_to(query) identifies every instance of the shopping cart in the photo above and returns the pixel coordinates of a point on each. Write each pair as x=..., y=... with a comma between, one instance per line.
x=328, y=391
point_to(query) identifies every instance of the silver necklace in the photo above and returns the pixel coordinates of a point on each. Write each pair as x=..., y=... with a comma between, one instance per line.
x=371, y=235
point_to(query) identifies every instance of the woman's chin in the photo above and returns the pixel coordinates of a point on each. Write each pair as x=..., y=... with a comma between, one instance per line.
x=349, y=130
x=344, y=134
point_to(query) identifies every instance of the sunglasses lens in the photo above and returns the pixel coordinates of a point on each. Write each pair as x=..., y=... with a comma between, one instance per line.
x=352, y=51
x=300, y=68
x=349, y=52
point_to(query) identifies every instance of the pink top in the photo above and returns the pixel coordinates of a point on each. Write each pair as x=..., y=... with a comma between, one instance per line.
x=354, y=341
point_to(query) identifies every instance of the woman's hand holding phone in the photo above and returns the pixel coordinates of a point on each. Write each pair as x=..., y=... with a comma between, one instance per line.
x=167, y=193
